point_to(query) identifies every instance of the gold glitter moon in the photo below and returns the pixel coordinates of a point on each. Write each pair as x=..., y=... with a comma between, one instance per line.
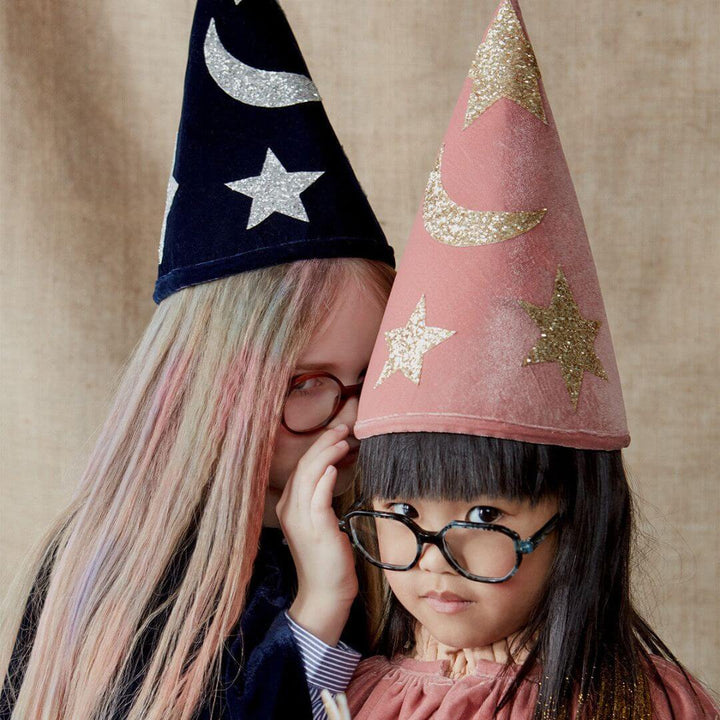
x=451, y=224
x=505, y=67
x=407, y=345
x=566, y=338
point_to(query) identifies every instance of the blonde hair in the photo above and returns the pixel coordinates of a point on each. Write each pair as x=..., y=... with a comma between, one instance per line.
x=180, y=467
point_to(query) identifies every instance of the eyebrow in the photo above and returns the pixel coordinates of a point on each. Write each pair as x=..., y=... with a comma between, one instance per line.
x=329, y=367
x=317, y=366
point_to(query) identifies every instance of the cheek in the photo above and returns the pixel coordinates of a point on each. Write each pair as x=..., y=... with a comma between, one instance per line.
x=402, y=586
x=513, y=601
x=535, y=568
x=287, y=452
x=520, y=594
x=506, y=607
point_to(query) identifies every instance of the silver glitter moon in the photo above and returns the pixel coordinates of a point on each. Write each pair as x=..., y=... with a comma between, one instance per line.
x=451, y=224
x=252, y=86
x=170, y=196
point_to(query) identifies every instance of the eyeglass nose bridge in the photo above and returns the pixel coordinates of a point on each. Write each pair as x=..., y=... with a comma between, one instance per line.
x=347, y=392
x=424, y=537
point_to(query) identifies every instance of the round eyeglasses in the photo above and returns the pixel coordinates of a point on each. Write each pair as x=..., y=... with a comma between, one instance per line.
x=313, y=400
x=482, y=552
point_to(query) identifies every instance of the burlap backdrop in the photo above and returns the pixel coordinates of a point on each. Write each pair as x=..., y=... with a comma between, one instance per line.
x=90, y=100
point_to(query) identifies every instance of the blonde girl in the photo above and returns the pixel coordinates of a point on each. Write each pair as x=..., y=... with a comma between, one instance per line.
x=162, y=592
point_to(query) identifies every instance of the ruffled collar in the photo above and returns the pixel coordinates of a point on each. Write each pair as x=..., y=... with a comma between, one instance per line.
x=459, y=662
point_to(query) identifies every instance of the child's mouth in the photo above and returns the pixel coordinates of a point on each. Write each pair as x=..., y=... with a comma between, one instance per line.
x=446, y=603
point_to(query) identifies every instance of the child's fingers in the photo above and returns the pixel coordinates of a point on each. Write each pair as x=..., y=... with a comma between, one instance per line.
x=323, y=452
x=321, y=503
x=326, y=439
x=299, y=490
x=330, y=707
x=343, y=706
x=308, y=473
x=336, y=707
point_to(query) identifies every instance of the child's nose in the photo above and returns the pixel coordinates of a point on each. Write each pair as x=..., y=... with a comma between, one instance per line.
x=432, y=560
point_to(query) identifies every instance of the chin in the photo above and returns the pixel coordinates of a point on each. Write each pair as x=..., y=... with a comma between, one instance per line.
x=463, y=634
x=452, y=635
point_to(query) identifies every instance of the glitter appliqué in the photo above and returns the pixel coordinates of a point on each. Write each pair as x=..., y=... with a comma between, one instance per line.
x=252, y=86
x=566, y=338
x=505, y=66
x=169, y=197
x=275, y=190
x=451, y=224
x=407, y=345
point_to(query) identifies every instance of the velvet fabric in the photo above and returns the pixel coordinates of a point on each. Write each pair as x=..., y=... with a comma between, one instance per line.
x=476, y=382
x=406, y=689
x=222, y=140
x=262, y=676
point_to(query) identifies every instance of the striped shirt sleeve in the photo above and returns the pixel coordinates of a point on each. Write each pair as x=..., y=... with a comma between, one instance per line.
x=325, y=666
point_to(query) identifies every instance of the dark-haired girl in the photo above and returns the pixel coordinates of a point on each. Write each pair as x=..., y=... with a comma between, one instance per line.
x=523, y=609
x=493, y=497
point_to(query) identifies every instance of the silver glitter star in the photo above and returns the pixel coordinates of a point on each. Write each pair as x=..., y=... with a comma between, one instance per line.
x=407, y=345
x=275, y=190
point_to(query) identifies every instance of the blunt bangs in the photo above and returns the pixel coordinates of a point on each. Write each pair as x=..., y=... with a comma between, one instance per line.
x=447, y=466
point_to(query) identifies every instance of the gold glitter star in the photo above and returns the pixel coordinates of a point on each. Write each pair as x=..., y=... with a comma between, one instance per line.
x=407, y=345
x=567, y=338
x=505, y=66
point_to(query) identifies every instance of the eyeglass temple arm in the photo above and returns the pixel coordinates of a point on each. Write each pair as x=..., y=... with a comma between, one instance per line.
x=527, y=546
x=343, y=524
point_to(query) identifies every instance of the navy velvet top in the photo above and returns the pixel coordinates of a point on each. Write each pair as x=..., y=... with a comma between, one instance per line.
x=270, y=684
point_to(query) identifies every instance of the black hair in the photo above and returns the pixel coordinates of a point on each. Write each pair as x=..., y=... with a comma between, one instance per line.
x=584, y=633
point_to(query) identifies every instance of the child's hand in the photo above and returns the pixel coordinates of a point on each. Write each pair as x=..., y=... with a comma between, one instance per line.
x=327, y=583
x=336, y=707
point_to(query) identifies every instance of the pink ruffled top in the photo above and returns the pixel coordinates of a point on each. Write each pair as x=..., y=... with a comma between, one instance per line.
x=408, y=689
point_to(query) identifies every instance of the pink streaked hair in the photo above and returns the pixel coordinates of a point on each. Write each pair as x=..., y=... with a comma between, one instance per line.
x=182, y=458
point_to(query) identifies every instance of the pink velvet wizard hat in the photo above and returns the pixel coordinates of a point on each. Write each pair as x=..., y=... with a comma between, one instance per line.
x=496, y=324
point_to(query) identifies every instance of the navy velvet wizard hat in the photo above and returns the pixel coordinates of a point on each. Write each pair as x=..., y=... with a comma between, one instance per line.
x=259, y=177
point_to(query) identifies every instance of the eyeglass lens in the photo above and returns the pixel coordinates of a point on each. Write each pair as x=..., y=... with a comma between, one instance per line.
x=311, y=403
x=482, y=552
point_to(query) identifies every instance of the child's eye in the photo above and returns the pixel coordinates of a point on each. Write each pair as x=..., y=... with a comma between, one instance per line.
x=484, y=514
x=401, y=508
x=307, y=386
